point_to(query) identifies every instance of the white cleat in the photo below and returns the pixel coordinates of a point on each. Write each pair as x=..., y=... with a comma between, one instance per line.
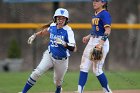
x=61, y=90
x=109, y=92
x=19, y=92
x=106, y=91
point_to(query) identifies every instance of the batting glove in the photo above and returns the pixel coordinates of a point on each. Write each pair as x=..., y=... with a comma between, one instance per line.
x=31, y=39
x=60, y=41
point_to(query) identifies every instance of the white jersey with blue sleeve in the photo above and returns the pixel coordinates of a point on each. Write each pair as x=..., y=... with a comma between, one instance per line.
x=66, y=34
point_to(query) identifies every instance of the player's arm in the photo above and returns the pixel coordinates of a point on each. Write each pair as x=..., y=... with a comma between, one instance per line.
x=106, y=18
x=86, y=38
x=40, y=33
x=105, y=37
x=43, y=31
x=71, y=44
x=71, y=47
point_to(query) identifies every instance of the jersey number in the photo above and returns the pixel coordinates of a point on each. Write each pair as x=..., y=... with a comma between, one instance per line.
x=53, y=43
x=95, y=21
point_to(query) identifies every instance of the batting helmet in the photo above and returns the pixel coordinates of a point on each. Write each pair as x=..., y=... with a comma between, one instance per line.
x=61, y=12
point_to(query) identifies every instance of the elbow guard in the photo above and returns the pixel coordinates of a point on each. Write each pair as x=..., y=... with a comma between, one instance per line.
x=70, y=47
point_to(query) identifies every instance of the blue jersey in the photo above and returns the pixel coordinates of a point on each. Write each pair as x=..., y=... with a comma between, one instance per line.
x=99, y=21
x=66, y=34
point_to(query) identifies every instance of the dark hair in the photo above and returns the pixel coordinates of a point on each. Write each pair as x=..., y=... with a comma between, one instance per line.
x=46, y=25
x=106, y=6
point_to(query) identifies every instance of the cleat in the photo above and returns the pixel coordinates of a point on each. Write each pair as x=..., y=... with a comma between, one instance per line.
x=108, y=92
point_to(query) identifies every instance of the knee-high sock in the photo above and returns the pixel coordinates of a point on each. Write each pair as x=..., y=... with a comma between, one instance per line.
x=30, y=82
x=103, y=81
x=58, y=89
x=82, y=81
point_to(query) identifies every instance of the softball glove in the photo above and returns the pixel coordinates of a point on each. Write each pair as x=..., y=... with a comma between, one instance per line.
x=96, y=54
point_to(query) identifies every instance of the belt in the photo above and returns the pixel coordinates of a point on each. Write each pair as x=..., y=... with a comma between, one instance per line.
x=96, y=36
x=58, y=58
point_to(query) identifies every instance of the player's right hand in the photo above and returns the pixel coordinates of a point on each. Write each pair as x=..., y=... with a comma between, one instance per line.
x=85, y=39
x=31, y=38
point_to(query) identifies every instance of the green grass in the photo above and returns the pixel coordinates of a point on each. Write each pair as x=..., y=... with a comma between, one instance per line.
x=14, y=81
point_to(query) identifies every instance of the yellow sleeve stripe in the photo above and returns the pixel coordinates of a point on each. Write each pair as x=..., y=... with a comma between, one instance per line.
x=107, y=25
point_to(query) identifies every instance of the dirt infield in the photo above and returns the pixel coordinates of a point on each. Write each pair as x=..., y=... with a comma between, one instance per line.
x=115, y=91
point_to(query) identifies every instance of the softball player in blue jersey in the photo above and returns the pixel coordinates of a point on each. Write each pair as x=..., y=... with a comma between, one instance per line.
x=101, y=28
x=57, y=55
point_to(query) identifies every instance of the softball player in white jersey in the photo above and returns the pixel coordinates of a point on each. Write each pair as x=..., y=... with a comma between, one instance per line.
x=57, y=55
x=101, y=28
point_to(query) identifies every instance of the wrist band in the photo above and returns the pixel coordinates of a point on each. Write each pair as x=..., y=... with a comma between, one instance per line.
x=105, y=37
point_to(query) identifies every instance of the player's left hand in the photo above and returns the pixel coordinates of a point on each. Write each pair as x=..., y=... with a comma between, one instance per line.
x=60, y=41
x=86, y=39
x=99, y=46
x=101, y=43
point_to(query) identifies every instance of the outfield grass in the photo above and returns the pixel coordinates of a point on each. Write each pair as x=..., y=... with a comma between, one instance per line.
x=15, y=81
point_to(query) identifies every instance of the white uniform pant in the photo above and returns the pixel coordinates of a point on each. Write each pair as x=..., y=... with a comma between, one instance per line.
x=86, y=62
x=60, y=68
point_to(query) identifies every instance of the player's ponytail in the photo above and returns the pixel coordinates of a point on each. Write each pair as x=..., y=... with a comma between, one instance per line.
x=46, y=25
x=105, y=6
